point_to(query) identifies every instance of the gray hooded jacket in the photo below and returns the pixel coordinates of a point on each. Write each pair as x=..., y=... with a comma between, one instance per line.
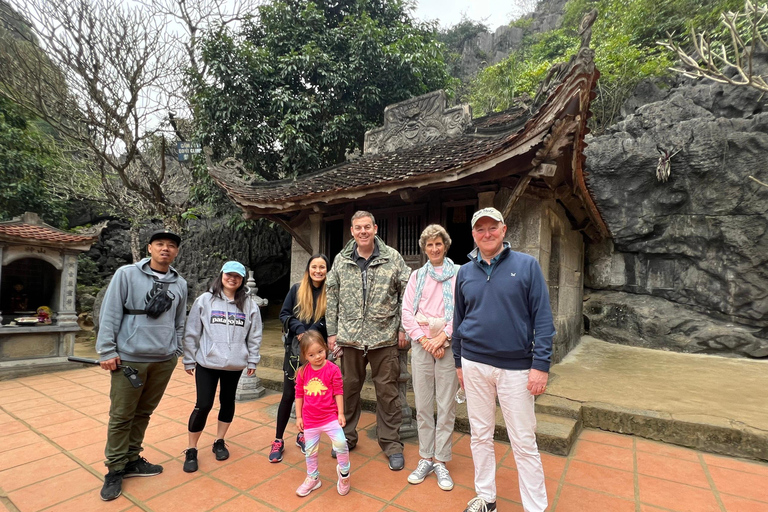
x=137, y=337
x=220, y=336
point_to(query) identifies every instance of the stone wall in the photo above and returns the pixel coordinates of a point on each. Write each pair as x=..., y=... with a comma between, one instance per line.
x=539, y=227
x=207, y=244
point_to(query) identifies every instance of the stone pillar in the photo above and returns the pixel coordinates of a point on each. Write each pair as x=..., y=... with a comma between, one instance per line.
x=250, y=388
x=315, y=221
x=485, y=199
x=66, y=314
x=408, y=427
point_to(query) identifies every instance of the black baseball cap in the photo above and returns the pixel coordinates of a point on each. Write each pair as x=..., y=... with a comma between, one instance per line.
x=164, y=234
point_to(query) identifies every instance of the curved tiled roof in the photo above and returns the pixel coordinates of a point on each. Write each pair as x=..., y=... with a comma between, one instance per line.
x=41, y=233
x=484, y=143
x=372, y=170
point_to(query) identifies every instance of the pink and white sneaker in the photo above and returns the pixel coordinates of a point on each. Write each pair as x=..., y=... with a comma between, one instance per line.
x=343, y=484
x=309, y=485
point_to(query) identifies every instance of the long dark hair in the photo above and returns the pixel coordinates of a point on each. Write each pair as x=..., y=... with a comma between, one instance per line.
x=217, y=290
x=305, y=309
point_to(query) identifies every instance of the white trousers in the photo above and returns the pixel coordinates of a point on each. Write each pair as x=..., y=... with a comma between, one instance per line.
x=482, y=384
x=434, y=380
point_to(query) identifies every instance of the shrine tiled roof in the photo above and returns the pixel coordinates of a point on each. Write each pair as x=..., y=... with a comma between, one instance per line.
x=375, y=170
x=40, y=233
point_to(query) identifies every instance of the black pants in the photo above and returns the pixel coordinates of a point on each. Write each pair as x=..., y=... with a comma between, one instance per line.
x=284, y=409
x=207, y=380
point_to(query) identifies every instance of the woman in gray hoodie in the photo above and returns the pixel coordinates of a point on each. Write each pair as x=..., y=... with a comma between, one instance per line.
x=222, y=337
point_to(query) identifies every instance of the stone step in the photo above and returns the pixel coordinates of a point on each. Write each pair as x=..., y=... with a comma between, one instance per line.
x=555, y=433
x=558, y=406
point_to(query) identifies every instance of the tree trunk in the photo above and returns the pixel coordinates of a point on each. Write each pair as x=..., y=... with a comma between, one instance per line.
x=135, y=242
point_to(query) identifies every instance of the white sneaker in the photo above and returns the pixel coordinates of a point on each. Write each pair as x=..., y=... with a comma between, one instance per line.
x=424, y=468
x=444, y=480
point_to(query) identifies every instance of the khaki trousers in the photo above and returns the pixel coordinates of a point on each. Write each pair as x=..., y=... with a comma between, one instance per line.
x=131, y=408
x=385, y=370
x=434, y=380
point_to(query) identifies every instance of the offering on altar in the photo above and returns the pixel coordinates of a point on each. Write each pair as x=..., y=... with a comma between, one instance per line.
x=44, y=315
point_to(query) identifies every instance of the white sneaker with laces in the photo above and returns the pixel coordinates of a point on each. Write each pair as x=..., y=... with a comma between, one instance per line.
x=478, y=504
x=424, y=468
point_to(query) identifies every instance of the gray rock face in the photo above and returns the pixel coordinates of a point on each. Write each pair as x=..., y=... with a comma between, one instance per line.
x=491, y=48
x=651, y=322
x=698, y=241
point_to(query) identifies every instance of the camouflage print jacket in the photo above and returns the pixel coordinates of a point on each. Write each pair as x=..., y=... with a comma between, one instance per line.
x=376, y=323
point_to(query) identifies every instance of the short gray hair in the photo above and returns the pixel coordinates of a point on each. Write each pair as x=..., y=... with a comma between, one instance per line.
x=359, y=214
x=434, y=231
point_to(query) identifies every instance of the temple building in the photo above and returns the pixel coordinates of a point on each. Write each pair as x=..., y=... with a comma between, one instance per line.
x=430, y=163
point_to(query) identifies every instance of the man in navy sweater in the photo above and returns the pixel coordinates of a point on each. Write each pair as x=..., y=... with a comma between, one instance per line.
x=502, y=345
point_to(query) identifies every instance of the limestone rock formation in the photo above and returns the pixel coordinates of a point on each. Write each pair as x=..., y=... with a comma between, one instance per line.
x=698, y=242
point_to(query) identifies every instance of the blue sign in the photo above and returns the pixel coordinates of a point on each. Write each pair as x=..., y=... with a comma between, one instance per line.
x=187, y=149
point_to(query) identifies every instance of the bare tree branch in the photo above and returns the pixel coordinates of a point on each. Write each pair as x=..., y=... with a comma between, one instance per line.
x=747, y=31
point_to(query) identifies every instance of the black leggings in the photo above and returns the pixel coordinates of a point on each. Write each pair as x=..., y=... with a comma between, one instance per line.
x=284, y=410
x=206, y=380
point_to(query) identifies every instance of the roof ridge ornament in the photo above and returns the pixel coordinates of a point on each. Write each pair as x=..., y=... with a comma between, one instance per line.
x=419, y=120
x=560, y=70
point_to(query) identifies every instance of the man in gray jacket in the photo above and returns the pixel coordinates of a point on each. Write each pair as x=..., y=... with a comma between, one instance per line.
x=141, y=325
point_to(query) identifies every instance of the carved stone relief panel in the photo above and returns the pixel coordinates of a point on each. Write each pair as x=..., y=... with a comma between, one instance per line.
x=417, y=121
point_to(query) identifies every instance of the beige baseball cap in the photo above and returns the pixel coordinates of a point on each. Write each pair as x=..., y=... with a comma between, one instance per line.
x=487, y=212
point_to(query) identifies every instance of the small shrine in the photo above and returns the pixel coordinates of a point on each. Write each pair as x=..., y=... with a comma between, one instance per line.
x=38, y=280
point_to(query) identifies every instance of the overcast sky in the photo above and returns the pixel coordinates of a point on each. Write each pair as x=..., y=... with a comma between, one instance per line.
x=493, y=13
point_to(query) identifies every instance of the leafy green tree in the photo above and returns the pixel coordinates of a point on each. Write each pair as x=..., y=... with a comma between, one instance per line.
x=624, y=39
x=297, y=86
x=27, y=159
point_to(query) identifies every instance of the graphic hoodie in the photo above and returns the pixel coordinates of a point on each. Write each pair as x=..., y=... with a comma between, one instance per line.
x=221, y=337
x=137, y=337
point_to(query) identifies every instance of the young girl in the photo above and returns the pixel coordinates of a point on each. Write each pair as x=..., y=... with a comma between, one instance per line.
x=303, y=310
x=222, y=337
x=320, y=408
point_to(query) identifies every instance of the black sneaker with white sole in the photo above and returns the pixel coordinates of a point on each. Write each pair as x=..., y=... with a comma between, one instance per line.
x=142, y=467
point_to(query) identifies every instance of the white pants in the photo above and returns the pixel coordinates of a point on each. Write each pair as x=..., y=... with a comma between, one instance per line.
x=482, y=383
x=434, y=380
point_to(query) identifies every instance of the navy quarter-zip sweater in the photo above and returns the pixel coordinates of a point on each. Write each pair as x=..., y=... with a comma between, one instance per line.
x=503, y=319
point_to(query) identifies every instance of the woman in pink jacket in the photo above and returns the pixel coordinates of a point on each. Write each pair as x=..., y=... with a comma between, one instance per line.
x=428, y=321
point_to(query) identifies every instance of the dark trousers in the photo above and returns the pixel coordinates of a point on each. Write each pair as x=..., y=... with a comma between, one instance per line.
x=385, y=369
x=131, y=408
x=207, y=380
x=284, y=409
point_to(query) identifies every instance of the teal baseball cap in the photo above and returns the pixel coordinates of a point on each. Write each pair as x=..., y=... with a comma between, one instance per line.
x=233, y=266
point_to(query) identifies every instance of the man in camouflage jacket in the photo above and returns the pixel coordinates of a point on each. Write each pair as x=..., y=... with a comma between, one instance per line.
x=365, y=289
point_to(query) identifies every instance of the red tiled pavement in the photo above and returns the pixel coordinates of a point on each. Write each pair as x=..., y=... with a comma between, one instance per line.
x=51, y=452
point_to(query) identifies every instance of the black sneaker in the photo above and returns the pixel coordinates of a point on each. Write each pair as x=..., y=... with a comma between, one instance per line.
x=190, y=464
x=300, y=442
x=113, y=485
x=142, y=467
x=220, y=449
